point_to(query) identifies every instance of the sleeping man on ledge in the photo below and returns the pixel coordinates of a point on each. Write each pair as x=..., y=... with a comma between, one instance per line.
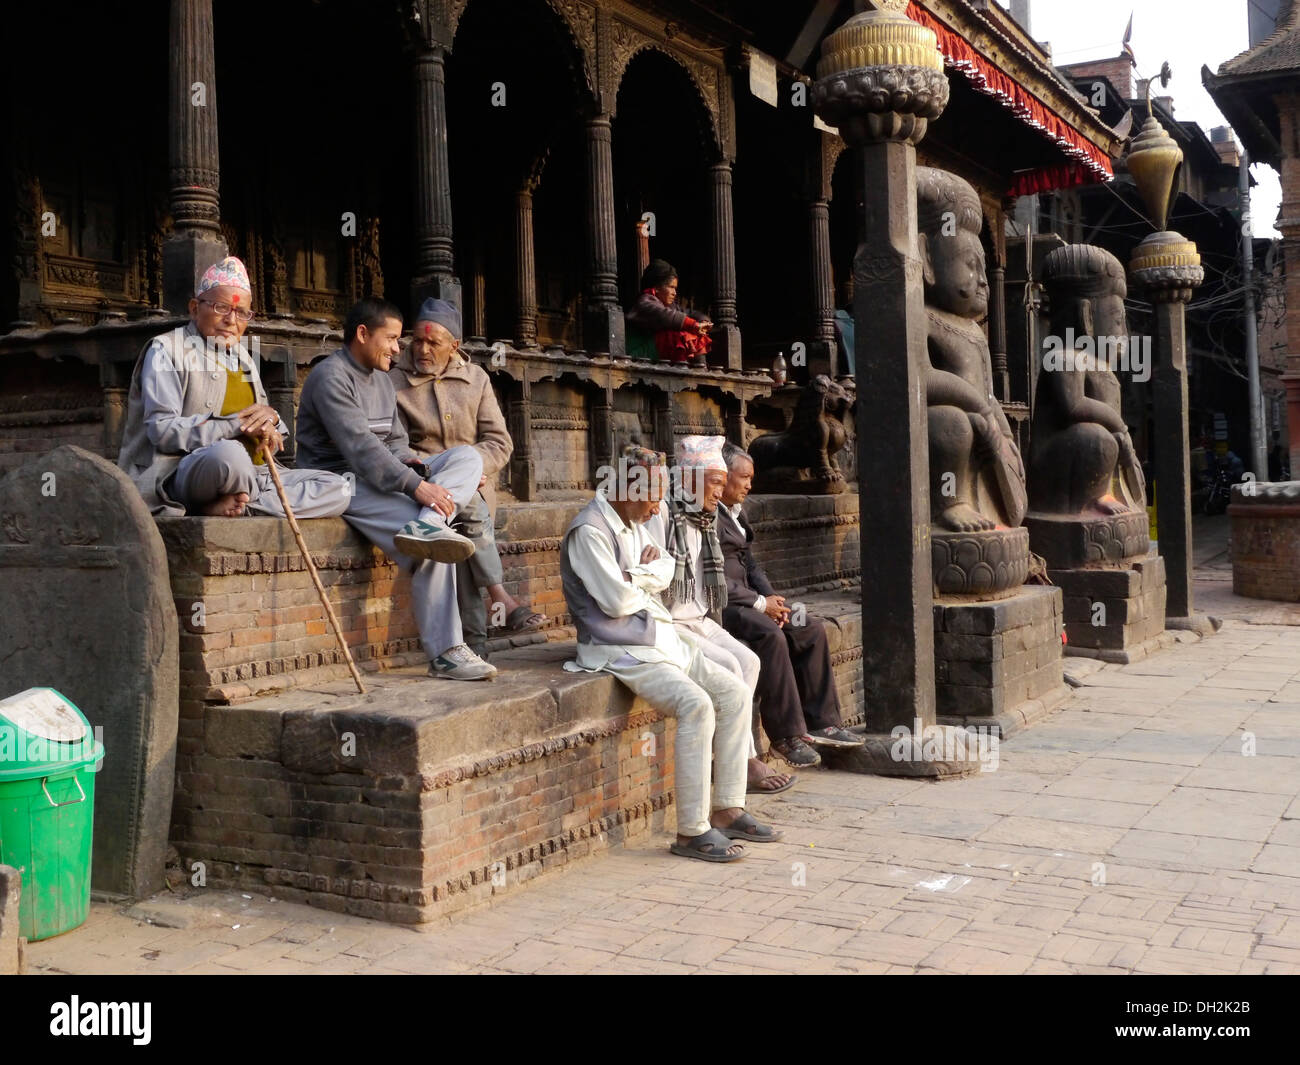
x=612, y=572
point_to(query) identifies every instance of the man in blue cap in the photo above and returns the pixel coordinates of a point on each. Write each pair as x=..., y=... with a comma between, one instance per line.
x=445, y=401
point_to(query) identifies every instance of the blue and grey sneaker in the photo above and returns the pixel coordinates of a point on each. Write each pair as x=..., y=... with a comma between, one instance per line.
x=424, y=539
x=460, y=663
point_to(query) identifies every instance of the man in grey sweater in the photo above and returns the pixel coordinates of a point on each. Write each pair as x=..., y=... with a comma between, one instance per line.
x=347, y=423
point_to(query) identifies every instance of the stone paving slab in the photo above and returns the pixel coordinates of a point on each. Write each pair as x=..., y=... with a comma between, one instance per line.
x=1128, y=832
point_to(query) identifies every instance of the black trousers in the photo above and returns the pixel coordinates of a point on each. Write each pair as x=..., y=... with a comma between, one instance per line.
x=796, y=689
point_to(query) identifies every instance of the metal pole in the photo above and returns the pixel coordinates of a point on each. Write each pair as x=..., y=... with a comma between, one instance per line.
x=1258, y=446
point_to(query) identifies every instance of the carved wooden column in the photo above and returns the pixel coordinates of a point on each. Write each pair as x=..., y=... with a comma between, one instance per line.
x=998, y=331
x=823, y=288
x=195, y=167
x=662, y=409
x=478, y=296
x=725, y=334
x=601, y=417
x=525, y=269
x=733, y=417
x=433, y=269
x=519, y=417
x=603, y=329
x=115, y=402
x=282, y=393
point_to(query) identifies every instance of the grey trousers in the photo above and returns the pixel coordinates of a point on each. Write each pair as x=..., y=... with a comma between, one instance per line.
x=379, y=515
x=481, y=570
x=225, y=468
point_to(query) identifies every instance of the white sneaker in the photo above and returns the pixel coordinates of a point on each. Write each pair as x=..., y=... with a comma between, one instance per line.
x=460, y=663
x=424, y=539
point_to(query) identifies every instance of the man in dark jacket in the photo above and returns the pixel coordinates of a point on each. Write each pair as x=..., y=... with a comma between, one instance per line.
x=796, y=688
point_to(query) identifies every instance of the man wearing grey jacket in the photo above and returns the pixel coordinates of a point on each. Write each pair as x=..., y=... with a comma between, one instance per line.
x=347, y=423
x=197, y=418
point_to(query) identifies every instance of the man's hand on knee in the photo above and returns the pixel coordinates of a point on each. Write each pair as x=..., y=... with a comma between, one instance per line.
x=428, y=494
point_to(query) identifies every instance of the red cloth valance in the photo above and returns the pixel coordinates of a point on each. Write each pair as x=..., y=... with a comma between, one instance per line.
x=1090, y=164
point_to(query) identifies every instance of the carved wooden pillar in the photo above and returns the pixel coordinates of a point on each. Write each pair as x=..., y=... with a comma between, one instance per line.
x=478, y=296
x=282, y=393
x=195, y=168
x=726, y=334
x=525, y=269
x=115, y=401
x=601, y=417
x=433, y=269
x=519, y=414
x=823, y=289
x=603, y=317
x=733, y=415
x=642, y=248
x=662, y=409
x=998, y=331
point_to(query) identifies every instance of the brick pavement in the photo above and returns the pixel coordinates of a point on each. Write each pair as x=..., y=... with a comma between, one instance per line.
x=1128, y=832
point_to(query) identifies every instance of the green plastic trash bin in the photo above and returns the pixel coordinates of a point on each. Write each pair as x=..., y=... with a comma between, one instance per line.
x=48, y=760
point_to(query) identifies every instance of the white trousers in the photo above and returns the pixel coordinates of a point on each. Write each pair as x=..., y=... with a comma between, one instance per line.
x=713, y=710
x=719, y=646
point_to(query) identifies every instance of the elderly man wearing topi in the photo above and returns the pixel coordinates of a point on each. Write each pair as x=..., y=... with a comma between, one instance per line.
x=197, y=417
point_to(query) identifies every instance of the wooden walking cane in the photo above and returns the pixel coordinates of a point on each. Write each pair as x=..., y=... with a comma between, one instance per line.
x=311, y=566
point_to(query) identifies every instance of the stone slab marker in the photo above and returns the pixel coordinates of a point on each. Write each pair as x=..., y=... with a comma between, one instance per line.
x=87, y=609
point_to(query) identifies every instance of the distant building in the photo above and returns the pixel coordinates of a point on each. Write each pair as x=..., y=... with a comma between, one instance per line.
x=1258, y=91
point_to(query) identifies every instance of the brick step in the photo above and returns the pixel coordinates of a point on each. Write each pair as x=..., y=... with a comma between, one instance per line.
x=423, y=796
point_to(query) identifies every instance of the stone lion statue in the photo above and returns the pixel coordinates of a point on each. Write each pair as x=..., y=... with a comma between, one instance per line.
x=800, y=460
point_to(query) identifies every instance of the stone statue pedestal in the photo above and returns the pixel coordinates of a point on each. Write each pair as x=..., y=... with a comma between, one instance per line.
x=1069, y=542
x=998, y=662
x=1114, y=591
x=979, y=563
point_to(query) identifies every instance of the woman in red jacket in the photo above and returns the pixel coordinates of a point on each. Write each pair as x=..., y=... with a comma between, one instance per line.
x=659, y=330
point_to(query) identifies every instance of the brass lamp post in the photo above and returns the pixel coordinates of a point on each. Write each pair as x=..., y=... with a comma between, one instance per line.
x=1168, y=267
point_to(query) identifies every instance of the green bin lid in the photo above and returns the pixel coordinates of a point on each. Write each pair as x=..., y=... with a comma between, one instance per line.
x=42, y=732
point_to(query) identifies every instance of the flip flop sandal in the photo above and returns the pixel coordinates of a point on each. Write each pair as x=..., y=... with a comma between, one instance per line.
x=745, y=827
x=520, y=620
x=711, y=846
x=757, y=789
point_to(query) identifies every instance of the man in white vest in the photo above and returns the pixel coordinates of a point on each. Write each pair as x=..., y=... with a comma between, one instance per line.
x=611, y=573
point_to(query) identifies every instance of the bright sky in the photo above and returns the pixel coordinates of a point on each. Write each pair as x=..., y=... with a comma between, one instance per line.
x=1186, y=33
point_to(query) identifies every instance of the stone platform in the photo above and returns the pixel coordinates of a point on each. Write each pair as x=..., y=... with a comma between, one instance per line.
x=423, y=797
x=998, y=664
x=408, y=802
x=1116, y=614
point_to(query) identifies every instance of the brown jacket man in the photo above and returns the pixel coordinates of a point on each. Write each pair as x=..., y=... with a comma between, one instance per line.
x=454, y=408
x=445, y=401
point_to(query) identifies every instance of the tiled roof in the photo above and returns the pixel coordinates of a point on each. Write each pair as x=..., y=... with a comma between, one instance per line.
x=1280, y=51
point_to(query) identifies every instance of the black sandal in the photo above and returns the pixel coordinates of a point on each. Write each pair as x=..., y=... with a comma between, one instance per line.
x=710, y=846
x=745, y=827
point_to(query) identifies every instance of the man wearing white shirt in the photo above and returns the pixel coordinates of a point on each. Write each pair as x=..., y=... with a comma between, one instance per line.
x=612, y=573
